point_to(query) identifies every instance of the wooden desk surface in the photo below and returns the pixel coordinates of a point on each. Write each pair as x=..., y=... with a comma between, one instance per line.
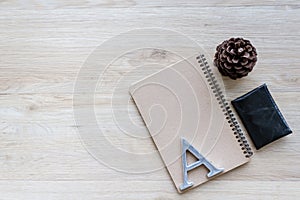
x=43, y=45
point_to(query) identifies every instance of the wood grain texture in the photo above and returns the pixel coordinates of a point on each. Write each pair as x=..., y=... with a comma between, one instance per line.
x=43, y=45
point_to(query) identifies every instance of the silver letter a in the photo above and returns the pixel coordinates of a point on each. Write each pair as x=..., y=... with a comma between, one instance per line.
x=201, y=161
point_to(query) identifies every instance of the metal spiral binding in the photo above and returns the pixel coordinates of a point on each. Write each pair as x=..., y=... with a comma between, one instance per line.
x=239, y=135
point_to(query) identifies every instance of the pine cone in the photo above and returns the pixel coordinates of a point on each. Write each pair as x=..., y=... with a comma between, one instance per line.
x=235, y=57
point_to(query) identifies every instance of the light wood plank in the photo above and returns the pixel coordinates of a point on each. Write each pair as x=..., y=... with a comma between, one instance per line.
x=54, y=4
x=136, y=189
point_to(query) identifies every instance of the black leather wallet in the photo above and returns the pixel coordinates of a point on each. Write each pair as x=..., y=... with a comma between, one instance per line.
x=261, y=116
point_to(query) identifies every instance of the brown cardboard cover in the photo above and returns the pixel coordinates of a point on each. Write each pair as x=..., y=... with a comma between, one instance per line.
x=178, y=102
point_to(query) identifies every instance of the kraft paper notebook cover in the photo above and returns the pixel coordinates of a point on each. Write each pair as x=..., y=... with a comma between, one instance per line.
x=183, y=106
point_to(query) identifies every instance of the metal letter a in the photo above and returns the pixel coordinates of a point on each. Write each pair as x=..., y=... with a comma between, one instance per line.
x=201, y=161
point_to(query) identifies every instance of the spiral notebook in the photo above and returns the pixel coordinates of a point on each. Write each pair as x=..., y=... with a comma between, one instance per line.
x=191, y=124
